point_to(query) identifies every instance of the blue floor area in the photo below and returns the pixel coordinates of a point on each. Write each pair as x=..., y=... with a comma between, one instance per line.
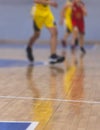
x=24, y=63
x=17, y=63
x=14, y=126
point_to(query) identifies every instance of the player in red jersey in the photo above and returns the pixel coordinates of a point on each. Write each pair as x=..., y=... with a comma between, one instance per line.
x=78, y=13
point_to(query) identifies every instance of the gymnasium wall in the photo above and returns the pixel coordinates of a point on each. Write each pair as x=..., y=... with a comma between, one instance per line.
x=16, y=22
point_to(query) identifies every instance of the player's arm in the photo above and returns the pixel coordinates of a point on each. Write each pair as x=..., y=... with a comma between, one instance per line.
x=84, y=9
x=47, y=2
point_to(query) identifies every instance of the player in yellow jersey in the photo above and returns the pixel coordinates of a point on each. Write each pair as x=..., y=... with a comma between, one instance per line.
x=66, y=18
x=42, y=16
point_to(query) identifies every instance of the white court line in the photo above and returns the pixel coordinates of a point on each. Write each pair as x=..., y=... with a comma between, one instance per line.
x=51, y=99
x=32, y=126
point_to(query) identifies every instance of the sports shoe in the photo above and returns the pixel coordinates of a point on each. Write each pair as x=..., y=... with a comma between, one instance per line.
x=29, y=54
x=83, y=50
x=56, y=59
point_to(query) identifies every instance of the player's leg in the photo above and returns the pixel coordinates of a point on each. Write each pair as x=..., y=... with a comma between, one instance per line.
x=53, y=39
x=65, y=38
x=32, y=40
x=51, y=26
x=54, y=58
x=75, y=36
x=81, y=39
x=64, y=41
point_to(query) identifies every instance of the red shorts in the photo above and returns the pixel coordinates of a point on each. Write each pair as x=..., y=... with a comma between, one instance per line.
x=79, y=24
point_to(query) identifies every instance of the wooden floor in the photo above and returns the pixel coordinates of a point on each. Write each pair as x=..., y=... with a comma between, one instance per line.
x=60, y=97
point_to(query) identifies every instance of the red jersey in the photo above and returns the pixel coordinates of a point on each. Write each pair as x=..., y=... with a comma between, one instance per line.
x=78, y=16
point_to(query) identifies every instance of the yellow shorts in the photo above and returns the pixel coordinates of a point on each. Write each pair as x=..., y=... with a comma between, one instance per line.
x=68, y=24
x=43, y=18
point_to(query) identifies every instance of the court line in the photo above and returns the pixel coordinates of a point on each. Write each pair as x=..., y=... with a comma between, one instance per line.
x=32, y=126
x=51, y=99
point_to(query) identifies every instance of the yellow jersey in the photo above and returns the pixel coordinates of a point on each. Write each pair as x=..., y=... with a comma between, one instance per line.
x=42, y=7
x=42, y=15
x=68, y=16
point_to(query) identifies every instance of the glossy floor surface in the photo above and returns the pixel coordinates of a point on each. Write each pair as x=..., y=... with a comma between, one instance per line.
x=61, y=97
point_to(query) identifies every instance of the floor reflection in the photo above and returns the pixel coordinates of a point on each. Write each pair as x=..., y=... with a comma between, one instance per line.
x=43, y=109
x=74, y=82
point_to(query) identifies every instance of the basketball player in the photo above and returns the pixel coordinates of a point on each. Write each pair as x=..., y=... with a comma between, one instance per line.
x=66, y=17
x=73, y=23
x=42, y=16
x=78, y=13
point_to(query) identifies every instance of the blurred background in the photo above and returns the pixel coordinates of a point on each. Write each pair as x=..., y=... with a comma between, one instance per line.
x=16, y=21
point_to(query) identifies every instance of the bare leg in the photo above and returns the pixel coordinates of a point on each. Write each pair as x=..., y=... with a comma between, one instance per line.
x=81, y=39
x=54, y=58
x=53, y=39
x=29, y=47
x=74, y=38
x=64, y=43
x=65, y=38
x=74, y=35
x=34, y=38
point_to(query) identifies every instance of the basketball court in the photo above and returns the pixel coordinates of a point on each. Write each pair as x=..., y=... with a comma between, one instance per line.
x=64, y=96
x=40, y=96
